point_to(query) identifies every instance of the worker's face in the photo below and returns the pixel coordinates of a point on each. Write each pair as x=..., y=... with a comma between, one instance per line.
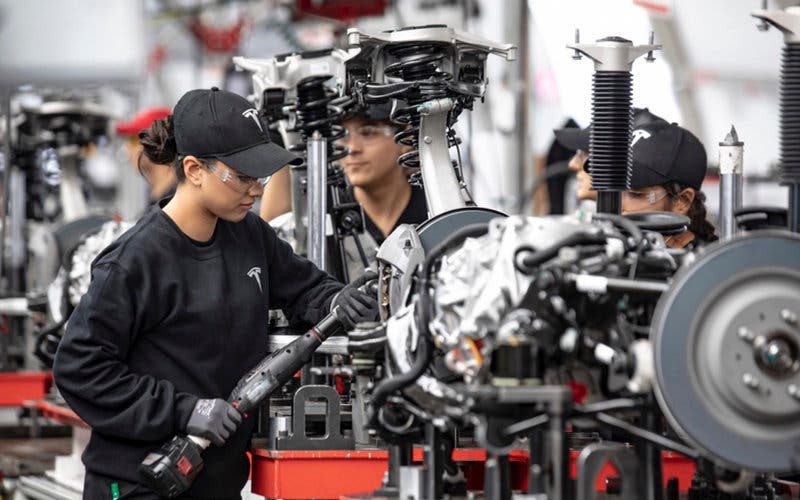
x=223, y=191
x=657, y=199
x=576, y=164
x=373, y=152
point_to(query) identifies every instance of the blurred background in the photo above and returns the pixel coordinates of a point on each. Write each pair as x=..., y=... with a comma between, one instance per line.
x=716, y=69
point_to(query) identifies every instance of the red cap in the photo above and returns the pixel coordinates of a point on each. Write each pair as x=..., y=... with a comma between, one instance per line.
x=141, y=120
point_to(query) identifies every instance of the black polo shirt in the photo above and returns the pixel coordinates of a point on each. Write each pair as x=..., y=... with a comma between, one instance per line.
x=415, y=212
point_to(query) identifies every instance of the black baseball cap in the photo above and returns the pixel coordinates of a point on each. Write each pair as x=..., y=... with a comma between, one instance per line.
x=578, y=138
x=662, y=151
x=214, y=123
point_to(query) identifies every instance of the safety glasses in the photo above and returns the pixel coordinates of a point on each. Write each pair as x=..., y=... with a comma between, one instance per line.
x=242, y=184
x=645, y=197
x=368, y=133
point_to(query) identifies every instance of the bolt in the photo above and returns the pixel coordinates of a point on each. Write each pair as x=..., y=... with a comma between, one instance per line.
x=427, y=139
x=746, y=334
x=789, y=316
x=650, y=57
x=793, y=391
x=750, y=381
x=577, y=54
x=763, y=25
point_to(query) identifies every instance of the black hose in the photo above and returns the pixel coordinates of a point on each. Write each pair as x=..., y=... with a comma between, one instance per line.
x=425, y=347
x=529, y=264
x=625, y=224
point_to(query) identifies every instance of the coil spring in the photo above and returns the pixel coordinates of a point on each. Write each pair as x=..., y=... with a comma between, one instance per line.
x=316, y=110
x=612, y=122
x=418, y=63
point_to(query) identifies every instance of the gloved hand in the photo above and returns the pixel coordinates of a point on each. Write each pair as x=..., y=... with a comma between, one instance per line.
x=213, y=419
x=356, y=306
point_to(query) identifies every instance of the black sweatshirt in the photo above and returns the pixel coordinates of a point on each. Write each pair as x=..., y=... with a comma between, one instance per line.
x=168, y=320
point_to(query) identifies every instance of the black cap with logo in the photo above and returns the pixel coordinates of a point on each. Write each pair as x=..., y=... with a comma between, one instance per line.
x=662, y=151
x=213, y=123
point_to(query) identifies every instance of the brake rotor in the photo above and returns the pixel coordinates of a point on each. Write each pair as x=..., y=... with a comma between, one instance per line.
x=726, y=339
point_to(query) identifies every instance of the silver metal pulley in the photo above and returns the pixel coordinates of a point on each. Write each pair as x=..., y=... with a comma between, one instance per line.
x=726, y=339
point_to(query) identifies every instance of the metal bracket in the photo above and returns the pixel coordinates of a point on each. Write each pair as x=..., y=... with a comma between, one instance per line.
x=332, y=439
x=613, y=53
x=594, y=457
x=443, y=191
x=285, y=72
x=787, y=21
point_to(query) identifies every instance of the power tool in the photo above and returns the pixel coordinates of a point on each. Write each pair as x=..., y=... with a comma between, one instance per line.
x=171, y=470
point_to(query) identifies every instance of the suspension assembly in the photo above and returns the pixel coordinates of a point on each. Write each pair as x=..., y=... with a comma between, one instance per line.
x=788, y=22
x=610, y=157
x=419, y=65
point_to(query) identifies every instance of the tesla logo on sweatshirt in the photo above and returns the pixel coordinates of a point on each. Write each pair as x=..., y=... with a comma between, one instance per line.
x=252, y=113
x=255, y=273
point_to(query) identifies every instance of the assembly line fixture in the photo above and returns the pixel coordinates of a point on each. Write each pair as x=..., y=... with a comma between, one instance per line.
x=788, y=22
x=612, y=115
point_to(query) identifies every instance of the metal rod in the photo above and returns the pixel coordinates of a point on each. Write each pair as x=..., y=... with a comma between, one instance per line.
x=317, y=203
x=536, y=470
x=433, y=465
x=730, y=183
x=667, y=444
x=609, y=202
x=6, y=186
x=729, y=202
x=793, y=214
x=528, y=424
x=652, y=483
x=602, y=284
x=557, y=487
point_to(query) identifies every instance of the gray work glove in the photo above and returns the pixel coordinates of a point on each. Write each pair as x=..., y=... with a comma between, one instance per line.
x=356, y=306
x=213, y=419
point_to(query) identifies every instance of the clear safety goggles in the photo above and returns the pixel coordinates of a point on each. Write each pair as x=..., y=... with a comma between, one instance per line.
x=240, y=183
x=368, y=133
x=645, y=197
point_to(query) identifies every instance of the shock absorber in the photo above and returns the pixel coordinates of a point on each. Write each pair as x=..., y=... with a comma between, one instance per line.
x=418, y=64
x=317, y=113
x=316, y=110
x=788, y=22
x=612, y=116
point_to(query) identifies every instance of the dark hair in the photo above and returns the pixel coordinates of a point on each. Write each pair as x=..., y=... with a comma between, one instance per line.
x=158, y=145
x=698, y=223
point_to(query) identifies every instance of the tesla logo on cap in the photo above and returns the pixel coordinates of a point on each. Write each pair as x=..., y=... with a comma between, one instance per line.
x=638, y=134
x=252, y=113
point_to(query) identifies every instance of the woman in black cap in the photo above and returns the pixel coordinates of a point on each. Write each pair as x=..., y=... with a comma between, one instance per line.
x=669, y=165
x=177, y=308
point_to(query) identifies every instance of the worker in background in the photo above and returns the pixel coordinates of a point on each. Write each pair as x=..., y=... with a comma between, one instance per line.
x=177, y=307
x=669, y=166
x=161, y=178
x=380, y=185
